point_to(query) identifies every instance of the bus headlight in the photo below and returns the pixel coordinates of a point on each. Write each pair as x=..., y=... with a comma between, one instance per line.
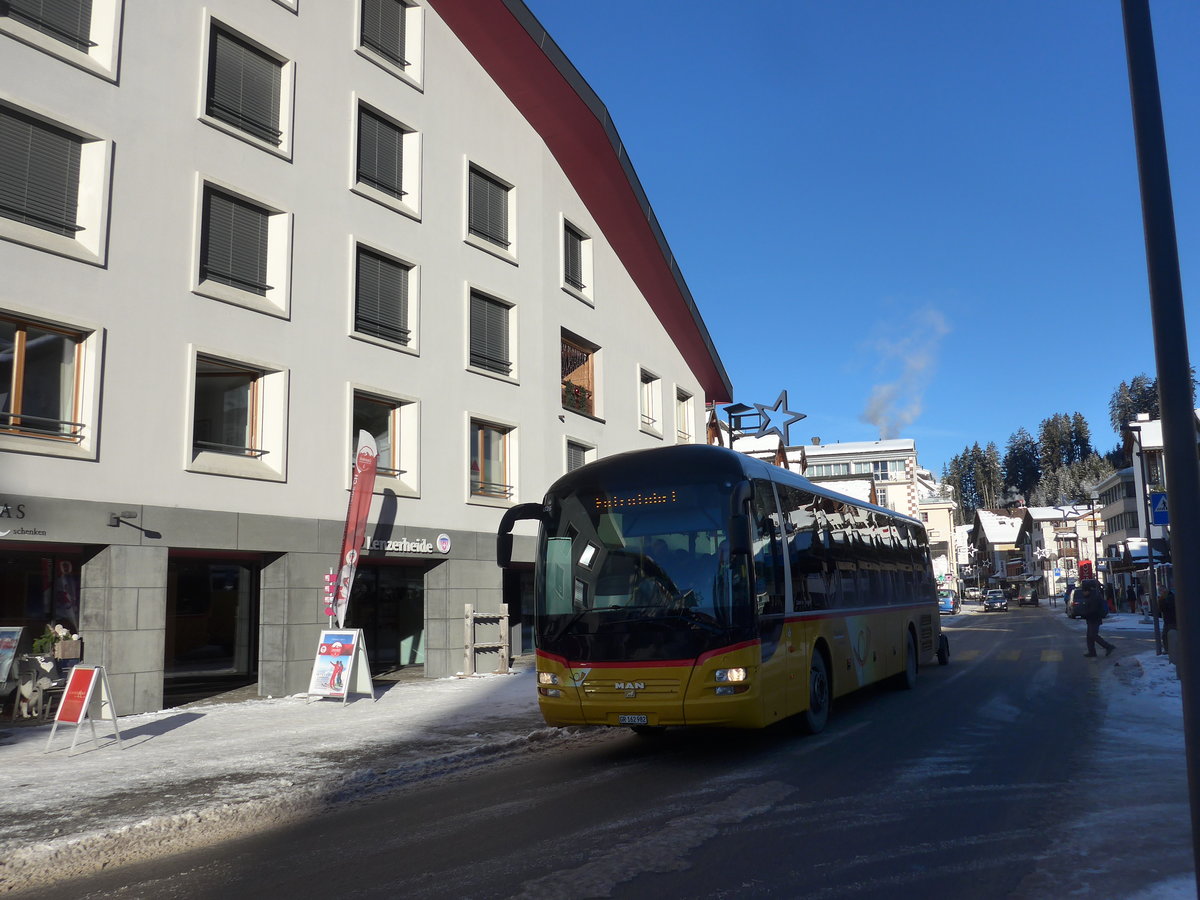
x=547, y=678
x=730, y=675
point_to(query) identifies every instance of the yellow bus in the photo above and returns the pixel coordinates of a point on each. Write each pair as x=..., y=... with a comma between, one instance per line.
x=693, y=585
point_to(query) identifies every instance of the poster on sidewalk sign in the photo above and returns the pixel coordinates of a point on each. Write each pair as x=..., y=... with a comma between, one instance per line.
x=87, y=697
x=10, y=639
x=340, y=667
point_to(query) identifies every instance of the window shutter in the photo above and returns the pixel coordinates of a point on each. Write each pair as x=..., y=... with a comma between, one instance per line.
x=69, y=21
x=576, y=456
x=39, y=173
x=380, y=153
x=573, y=258
x=489, y=335
x=381, y=300
x=243, y=87
x=383, y=29
x=487, y=214
x=233, y=246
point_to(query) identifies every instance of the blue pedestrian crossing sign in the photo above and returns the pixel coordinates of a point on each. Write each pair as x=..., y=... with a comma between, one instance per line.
x=1158, y=508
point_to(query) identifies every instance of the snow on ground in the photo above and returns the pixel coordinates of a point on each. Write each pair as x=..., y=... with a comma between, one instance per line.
x=181, y=778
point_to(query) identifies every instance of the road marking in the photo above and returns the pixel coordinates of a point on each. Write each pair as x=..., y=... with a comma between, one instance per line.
x=1009, y=655
x=1052, y=656
x=968, y=655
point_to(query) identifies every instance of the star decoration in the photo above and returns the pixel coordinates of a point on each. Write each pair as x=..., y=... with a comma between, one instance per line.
x=772, y=414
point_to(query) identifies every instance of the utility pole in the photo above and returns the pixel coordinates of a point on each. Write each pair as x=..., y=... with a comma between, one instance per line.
x=1174, y=374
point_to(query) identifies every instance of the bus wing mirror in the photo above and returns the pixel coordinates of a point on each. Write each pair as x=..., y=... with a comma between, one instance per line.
x=739, y=535
x=504, y=538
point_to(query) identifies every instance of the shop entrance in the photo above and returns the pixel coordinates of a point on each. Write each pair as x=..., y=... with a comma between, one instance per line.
x=212, y=625
x=388, y=604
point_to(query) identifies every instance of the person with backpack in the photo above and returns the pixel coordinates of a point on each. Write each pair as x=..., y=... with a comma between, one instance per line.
x=1091, y=596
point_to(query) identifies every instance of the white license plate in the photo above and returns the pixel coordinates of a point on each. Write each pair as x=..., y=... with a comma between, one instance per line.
x=632, y=720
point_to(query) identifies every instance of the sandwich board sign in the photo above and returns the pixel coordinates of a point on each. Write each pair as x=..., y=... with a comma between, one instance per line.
x=86, y=696
x=340, y=667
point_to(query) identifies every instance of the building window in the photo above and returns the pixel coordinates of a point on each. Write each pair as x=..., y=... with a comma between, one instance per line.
x=488, y=208
x=226, y=416
x=649, y=403
x=80, y=32
x=578, y=376
x=386, y=162
x=68, y=21
x=40, y=370
x=54, y=184
x=577, y=262
x=39, y=173
x=489, y=461
x=384, y=31
x=393, y=422
x=489, y=335
x=380, y=153
x=381, y=297
x=244, y=87
x=234, y=242
x=684, y=423
x=578, y=455
x=244, y=251
x=238, y=418
x=881, y=496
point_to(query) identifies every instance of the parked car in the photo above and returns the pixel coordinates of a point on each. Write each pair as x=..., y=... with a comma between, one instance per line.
x=1026, y=598
x=995, y=599
x=948, y=603
x=972, y=593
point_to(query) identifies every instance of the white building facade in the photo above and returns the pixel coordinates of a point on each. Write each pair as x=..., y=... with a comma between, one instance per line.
x=236, y=232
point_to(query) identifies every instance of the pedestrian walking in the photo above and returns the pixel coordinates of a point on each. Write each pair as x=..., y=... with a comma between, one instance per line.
x=1092, y=599
x=1167, y=606
x=1131, y=597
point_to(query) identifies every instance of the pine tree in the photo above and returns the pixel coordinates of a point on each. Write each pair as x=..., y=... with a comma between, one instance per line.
x=1022, y=467
x=1081, y=439
x=1139, y=395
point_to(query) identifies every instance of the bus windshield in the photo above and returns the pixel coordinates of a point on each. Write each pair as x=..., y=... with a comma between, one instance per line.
x=640, y=574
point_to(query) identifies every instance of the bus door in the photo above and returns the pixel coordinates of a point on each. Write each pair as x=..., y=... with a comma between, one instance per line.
x=770, y=589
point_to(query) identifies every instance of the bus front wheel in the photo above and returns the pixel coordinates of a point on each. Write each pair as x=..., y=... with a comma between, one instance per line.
x=907, y=679
x=819, y=695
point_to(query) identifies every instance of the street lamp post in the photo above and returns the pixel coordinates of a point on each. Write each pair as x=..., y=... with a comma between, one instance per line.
x=1136, y=431
x=1094, y=495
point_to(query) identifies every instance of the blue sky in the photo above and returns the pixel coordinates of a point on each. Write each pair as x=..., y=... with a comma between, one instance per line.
x=926, y=209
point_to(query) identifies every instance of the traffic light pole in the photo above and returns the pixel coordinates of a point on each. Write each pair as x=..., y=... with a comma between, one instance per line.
x=1174, y=375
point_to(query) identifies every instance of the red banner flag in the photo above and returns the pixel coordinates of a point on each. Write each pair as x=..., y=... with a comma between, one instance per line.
x=365, y=460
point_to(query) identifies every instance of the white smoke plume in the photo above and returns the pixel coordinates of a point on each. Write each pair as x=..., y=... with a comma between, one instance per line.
x=906, y=351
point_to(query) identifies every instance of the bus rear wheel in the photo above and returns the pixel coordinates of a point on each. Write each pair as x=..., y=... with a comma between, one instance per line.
x=819, y=695
x=907, y=680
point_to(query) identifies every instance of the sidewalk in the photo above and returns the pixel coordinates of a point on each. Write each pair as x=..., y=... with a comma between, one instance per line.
x=184, y=777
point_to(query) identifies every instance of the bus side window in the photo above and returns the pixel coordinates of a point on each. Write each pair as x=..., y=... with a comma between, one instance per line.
x=768, y=556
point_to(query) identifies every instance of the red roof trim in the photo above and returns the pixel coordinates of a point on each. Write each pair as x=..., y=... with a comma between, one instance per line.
x=508, y=41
